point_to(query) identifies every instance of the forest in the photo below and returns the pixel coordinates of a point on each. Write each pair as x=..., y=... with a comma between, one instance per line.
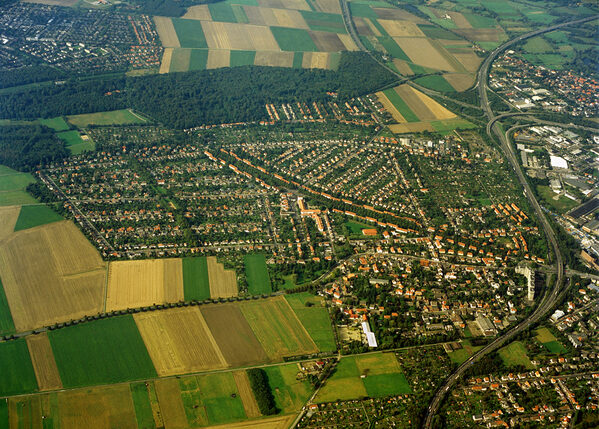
x=26, y=147
x=185, y=100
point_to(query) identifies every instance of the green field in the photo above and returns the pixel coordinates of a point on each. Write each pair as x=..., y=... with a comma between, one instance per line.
x=16, y=198
x=479, y=21
x=357, y=227
x=435, y=82
x=320, y=21
x=467, y=350
x=222, y=12
x=362, y=10
x=12, y=180
x=143, y=408
x=401, y=105
x=242, y=58
x=449, y=125
x=198, y=58
x=75, y=143
x=315, y=319
x=537, y=45
x=57, y=124
x=514, y=354
x=545, y=337
x=4, y=414
x=393, y=48
x=555, y=347
x=561, y=205
x=382, y=376
x=293, y=39
x=114, y=117
x=7, y=325
x=500, y=8
x=31, y=216
x=438, y=33
x=290, y=394
x=256, y=274
x=196, y=285
x=190, y=33
x=100, y=352
x=17, y=372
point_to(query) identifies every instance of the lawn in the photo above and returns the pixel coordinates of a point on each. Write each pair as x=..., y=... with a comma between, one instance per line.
x=256, y=274
x=378, y=386
x=143, y=408
x=190, y=33
x=293, y=39
x=290, y=394
x=196, y=284
x=562, y=204
x=357, y=227
x=461, y=355
x=114, y=117
x=7, y=325
x=221, y=12
x=514, y=354
x=242, y=58
x=401, y=105
x=544, y=335
x=537, y=45
x=36, y=215
x=100, y=352
x=17, y=372
x=452, y=124
x=435, y=82
x=57, y=124
x=315, y=319
x=555, y=347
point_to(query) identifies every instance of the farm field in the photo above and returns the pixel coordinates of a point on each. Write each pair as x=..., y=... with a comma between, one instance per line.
x=311, y=312
x=142, y=283
x=514, y=354
x=18, y=376
x=179, y=341
x=196, y=284
x=382, y=377
x=256, y=274
x=115, y=117
x=32, y=216
x=57, y=124
x=290, y=394
x=65, y=282
x=75, y=142
x=12, y=187
x=7, y=325
x=99, y=352
x=46, y=371
x=246, y=394
x=277, y=328
x=223, y=283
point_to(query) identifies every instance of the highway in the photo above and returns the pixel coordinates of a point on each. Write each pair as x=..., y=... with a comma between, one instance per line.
x=550, y=297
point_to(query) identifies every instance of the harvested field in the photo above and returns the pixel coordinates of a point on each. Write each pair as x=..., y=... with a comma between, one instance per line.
x=8, y=219
x=403, y=67
x=348, y=42
x=411, y=127
x=285, y=4
x=179, y=341
x=140, y=283
x=165, y=64
x=171, y=405
x=218, y=59
x=315, y=60
x=277, y=328
x=415, y=103
x=231, y=36
x=223, y=283
x=459, y=20
x=327, y=42
x=247, y=395
x=51, y=274
x=180, y=60
x=98, y=408
x=273, y=59
x=469, y=60
x=460, y=82
x=233, y=334
x=372, y=27
x=289, y=18
x=422, y=52
x=398, y=14
x=166, y=31
x=42, y=358
x=198, y=12
x=389, y=107
x=273, y=423
x=401, y=28
x=438, y=111
x=256, y=15
x=329, y=6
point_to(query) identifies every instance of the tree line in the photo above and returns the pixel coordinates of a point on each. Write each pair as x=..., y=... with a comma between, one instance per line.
x=25, y=147
x=262, y=391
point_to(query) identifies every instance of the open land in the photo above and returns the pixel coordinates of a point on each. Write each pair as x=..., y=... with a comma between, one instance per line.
x=257, y=274
x=43, y=361
x=247, y=395
x=223, y=283
x=114, y=117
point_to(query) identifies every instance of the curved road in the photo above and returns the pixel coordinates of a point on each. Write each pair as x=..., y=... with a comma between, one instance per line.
x=550, y=297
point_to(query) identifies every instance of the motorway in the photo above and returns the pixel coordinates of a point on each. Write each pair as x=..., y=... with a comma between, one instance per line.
x=550, y=297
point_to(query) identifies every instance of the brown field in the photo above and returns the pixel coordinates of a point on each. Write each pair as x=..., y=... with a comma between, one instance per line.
x=401, y=28
x=254, y=14
x=482, y=34
x=393, y=13
x=46, y=371
x=329, y=6
x=179, y=341
x=285, y=4
x=66, y=3
x=231, y=36
x=289, y=18
x=469, y=60
x=166, y=31
x=348, y=42
x=459, y=20
x=98, y=408
x=273, y=423
x=139, y=283
x=198, y=12
x=362, y=26
x=247, y=395
x=327, y=42
x=180, y=60
x=438, y=111
x=8, y=220
x=389, y=107
x=217, y=59
x=273, y=59
x=223, y=283
x=416, y=104
x=411, y=127
x=277, y=328
x=423, y=53
x=315, y=60
x=460, y=82
x=51, y=273
x=403, y=67
x=171, y=404
x=233, y=334
x=374, y=30
x=165, y=64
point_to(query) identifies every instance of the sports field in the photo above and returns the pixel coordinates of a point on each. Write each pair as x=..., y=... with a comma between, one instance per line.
x=114, y=117
x=32, y=216
x=314, y=316
x=256, y=274
x=100, y=352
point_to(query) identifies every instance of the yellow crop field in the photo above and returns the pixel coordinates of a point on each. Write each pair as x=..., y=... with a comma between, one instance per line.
x=348, y=42
x=140, y=283
x=389, y=107
x=461, y=81
x=274, y=423
x=469, y=60
x=285, y=4
x=315, y=60
x=401, y=28
x=51, y=274
x=165, y=64
x=397, y=14
x=166, y=31
x=403, y=67
x=223, y=283
x=179, y=341
x=8, y=219
x=438, y=111
x=171, y=404
x=247, y=395
x=422, y=52
x=273, y=59
x=289, y=18
x=198, y=12
x=46, y=371
x=411, y=127
x=218, y=58
x=231, y=36
x=329, y=6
